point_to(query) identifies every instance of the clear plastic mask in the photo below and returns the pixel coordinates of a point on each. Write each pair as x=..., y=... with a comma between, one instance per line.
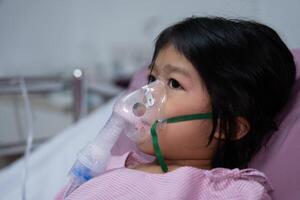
x=141, y=109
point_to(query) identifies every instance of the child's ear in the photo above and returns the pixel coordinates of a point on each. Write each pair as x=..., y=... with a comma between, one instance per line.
x=243, y=128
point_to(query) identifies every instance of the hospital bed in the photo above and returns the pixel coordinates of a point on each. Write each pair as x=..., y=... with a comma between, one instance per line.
x=50, y=163
x=41, y=86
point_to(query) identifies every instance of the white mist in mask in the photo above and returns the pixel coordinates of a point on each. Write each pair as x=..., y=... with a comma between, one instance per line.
x=136, y=111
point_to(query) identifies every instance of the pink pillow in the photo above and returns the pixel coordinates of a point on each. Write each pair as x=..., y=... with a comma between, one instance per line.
x=139, y=79
x=280, y=159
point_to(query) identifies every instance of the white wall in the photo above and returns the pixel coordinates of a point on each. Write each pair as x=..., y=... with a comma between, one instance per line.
x=38, y=36
x=284, y=17
x=54, y=36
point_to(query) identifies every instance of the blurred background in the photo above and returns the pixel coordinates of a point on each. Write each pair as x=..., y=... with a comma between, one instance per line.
x=75, y=55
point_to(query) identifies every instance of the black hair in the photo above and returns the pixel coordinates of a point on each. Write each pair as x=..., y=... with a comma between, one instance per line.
x=248, y=72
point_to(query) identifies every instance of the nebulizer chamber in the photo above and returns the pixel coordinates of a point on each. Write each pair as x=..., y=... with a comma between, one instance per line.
x=135, y=111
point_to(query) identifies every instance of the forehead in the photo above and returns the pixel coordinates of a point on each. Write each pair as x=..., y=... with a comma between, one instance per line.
x=170, y=60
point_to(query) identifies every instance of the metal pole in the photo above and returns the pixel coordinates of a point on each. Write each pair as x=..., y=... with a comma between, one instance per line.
x=79, y=95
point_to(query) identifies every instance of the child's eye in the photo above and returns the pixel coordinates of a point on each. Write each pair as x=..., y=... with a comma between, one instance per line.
x=151, y=78
x=174, y=84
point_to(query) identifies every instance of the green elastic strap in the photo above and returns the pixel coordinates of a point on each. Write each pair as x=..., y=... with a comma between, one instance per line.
x=182, y=118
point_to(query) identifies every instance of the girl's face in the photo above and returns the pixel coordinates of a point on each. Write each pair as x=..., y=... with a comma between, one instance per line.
x=186, y=94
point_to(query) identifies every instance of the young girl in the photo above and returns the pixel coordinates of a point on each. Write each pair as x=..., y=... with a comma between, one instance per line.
x=238, y=71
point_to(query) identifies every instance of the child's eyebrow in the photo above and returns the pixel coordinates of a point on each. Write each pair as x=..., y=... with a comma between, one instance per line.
x=176, y=69
x=167, y=69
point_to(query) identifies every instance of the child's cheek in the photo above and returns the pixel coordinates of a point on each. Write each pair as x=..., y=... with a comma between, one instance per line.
x=178, y=140
x=173, y=108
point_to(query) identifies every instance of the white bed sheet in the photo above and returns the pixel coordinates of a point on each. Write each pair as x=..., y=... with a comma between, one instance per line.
x=50, y=163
